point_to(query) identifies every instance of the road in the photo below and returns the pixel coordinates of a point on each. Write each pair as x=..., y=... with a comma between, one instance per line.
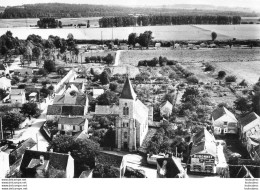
x=117, y=58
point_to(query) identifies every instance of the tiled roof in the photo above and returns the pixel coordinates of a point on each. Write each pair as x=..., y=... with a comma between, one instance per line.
x=72, y=110
x=19, y=151
x=80, y=135
x=106, y=110
x=249, y=118
x=109, y=159
x=217, y=113
x=70, y=100
x=172, y=168
x=166, y=104
x=54, y=110
x=202, y=135
x=128, y=91
x=72, y=121
x=58, y=161
x=77, y=84
x=17, y=91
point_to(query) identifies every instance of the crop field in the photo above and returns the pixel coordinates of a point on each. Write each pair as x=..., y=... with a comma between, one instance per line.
x=26, y=22
x=204, y=55
x=177, y=32
x=245, y=31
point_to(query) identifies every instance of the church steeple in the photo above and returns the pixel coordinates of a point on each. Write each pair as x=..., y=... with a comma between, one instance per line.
x=128, y=91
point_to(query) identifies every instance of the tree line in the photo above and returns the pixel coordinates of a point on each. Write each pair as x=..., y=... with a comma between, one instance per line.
x=153, y=20
x=85, y=10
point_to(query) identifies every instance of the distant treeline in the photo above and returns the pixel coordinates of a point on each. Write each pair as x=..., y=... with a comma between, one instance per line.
x=84, y=10
x=166, y=20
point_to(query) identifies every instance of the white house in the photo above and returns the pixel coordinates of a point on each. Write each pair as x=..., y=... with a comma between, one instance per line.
x=224, y=121
x=5, y=83
x=72, y=125
x=17, y=96
x=249, y=125
x=166, y=109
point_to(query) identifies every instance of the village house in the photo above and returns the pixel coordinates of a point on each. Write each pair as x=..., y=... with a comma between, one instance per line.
x=224, y=122
x=72, y=125
x=38, y=164
x=97, y=92
x=203, y=155
x=170, y=168
x=17, y=96
x=23, y=71
x=11, y=155
x=5, y=83
x=166, y=109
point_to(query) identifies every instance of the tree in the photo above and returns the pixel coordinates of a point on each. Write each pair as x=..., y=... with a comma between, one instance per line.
x=11, y=121
x=49, y=65
x=88, y=25
x=113, y=86
x=105, y=171
x=256, y=102
x=209, y=68
x=172, y=75
x=132, y=39
x=169, y=97
x=109, y=59
x=34, y=79
x=87, y=59
x=242, y=105
x=83, y=151
x=221, y=74
x=214, y=36
x=231, y=78
x=107, y=98
x=36, y=52
x=42, y=72
x=193, y=80
x=3, y=94
x=104, y=78
x=30, y=110
x=145, y=38
x=61, y=71
x=190, y=95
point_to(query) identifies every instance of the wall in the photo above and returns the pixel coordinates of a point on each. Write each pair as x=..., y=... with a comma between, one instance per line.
x=70, y=168
x=4, y=164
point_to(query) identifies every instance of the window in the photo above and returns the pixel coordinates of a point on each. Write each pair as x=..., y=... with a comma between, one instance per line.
x=127, y=125
x=125, y=135
x=80, y=128
x=74, y=127
x=125, y=110
x=208, y=169
x=62, y=127
x=225, y=122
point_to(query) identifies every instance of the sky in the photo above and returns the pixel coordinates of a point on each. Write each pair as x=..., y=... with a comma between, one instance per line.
x=253, y=4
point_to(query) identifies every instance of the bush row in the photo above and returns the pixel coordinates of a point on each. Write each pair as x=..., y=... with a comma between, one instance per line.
x=162, y=61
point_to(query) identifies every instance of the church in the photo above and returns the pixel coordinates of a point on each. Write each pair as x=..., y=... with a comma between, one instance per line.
x=132, y=121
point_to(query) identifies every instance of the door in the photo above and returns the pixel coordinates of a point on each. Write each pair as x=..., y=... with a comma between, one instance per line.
x=125, y=145
x=222, y=131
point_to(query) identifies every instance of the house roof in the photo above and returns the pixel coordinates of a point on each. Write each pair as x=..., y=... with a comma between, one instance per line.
x=106, y=110
x=80, y=135
x=70, y=100
x=19, y=151
x=204, y=141
x=248, y=119
x=77, y=84
x=58, y=161
x=2, y=67
x=85, y=174
x=54, y=110
x=219, y=112
x=72, y=110
x=128, y=91
x=72, y=121
x=109, y=159
x=172, y=167
x=17, y=91
x=166, y=104
x=6, y=81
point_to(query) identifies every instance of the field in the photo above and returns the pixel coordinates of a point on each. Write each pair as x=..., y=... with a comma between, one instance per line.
x=26, y=22
x=206, y=55
x=177, y=32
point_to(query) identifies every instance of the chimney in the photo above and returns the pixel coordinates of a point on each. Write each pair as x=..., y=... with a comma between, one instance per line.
x=41, y=160
x=69, y=153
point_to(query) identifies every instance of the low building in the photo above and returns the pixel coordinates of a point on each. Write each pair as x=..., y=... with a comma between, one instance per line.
x=23, y=71
x=11, y=155
x=38, y=164
x=17, y=96
x=224, y=122
x=97, y=92
x=5, y=83
x=72, y=125
x=166, y=109
x=33, y=97
x=203, y=156
x=170, y=168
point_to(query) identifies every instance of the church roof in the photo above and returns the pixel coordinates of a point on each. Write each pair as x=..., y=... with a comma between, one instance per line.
x=128, y=91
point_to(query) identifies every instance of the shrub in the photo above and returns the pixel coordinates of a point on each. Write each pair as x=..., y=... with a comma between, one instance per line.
x=209, y=68
x=221, y=74
x=243, y=83
x=42, y=72
x=34, y=79
x=231, y=78
x=49, y=65
x=193, y=79
x=87, y=59
x=113, y=86
x=172, y=75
